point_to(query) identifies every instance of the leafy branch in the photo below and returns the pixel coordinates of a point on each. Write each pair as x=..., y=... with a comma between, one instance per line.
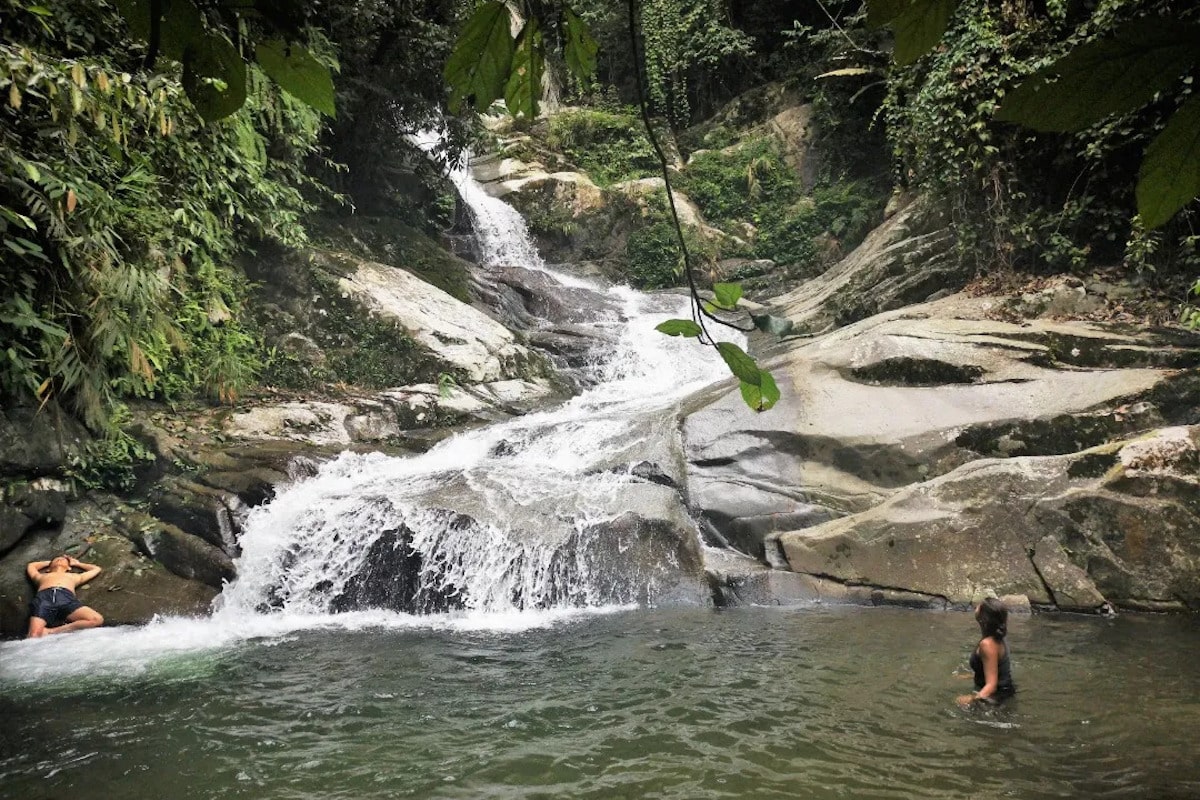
x=211, y=40
x=1114, y=75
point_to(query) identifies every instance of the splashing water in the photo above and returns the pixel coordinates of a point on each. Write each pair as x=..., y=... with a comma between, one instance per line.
x=495, y=528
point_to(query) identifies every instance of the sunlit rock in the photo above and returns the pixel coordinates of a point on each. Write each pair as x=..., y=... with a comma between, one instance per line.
x=1113, y=524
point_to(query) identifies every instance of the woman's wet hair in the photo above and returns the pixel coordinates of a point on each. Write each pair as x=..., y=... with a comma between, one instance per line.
x=992, y=617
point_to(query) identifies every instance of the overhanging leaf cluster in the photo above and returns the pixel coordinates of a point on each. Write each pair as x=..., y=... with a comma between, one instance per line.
x=212, y=47
x=489, y=63
x=1115, y=75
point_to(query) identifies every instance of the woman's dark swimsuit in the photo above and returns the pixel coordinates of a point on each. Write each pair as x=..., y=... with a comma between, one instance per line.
x=54, y=605
x=1005, y=688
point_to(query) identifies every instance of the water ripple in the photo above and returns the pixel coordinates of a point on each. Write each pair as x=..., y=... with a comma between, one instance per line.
x=812, y=704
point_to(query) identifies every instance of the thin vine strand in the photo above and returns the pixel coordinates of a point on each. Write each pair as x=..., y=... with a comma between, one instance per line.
x=699, y=313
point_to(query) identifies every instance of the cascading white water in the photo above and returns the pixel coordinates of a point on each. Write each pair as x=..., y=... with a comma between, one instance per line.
x=491, y=520
x=304, y=551
x=500, y=523
x=500, y=230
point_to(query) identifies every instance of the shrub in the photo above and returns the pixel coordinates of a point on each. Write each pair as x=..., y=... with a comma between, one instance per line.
x=741, y=184
x=121, y=211
x=1016, y=198
x=609, y=147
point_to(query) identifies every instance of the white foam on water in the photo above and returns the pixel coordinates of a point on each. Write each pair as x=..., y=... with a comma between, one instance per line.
x=182, y=646
x=501, y=231
x=302, y=550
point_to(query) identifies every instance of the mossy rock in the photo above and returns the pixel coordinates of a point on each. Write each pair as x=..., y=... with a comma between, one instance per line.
x=390, y=241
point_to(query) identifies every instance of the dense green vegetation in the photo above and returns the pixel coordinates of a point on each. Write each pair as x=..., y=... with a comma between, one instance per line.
x=122, y=210
x=610, y=146
x=1019, y=198
x=140, y=160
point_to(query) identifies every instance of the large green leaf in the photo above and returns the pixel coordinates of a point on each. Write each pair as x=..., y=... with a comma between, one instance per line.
x=881, y=12
x=214, y=76
x=740, y=364
x=180, y=23
x=762, y=395
x=1114, y=75
x=679, y=327
x=298, y=73
x=580, y=48
x=1170, y=173
x=482, y=57
x=726, y=295
x=920, y=27
x=525, y=80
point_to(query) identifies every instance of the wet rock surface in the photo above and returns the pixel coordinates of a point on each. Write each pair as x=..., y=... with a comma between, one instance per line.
x=933, y=453
x=132, y=588
x=1028, y=526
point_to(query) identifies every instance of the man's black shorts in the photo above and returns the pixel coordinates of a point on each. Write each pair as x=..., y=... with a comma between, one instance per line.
x=54, y=605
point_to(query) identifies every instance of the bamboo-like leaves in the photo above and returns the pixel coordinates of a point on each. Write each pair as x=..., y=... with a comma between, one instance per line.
x=479, y=66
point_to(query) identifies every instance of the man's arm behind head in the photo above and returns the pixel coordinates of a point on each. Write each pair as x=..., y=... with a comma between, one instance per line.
x=89, y=570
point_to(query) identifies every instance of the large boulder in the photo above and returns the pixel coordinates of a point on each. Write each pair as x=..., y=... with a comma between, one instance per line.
x=451, y=330
x=35, y=441
x=397, y=416
x=1116, y=524
x=132, y=589
x=198, y=510
x=26, y=505
x=908, y=395
x=183, y=554
x=908, y=259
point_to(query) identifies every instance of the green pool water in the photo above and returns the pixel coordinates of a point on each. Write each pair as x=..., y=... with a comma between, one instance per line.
x=748, y=703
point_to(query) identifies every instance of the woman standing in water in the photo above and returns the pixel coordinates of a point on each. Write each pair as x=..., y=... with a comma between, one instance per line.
x=989, y=662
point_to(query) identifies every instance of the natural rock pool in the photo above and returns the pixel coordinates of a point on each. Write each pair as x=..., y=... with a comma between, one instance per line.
x=812, y=702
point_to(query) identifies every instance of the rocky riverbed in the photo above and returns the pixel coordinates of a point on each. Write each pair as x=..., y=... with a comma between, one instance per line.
x=931, y=445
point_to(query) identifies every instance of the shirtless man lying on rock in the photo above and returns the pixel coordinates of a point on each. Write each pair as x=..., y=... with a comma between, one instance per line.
x=55, y=602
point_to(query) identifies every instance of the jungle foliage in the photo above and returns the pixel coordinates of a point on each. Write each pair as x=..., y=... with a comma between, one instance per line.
x=120, y=209
x=1057, y=191
x=144, y=145
x=609, y=145
x=130, y=179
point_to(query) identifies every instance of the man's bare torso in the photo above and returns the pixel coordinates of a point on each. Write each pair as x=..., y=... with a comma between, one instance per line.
x=58, y=580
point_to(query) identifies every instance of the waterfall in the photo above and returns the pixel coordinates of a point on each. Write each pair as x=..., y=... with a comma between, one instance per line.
x=503, y=237
x=518, y=524
x=543, y=511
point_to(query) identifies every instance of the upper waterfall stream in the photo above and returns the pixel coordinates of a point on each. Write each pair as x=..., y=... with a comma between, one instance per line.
x=509, y=525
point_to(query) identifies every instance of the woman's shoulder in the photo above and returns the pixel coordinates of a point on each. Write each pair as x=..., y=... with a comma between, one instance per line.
x=989, y=644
